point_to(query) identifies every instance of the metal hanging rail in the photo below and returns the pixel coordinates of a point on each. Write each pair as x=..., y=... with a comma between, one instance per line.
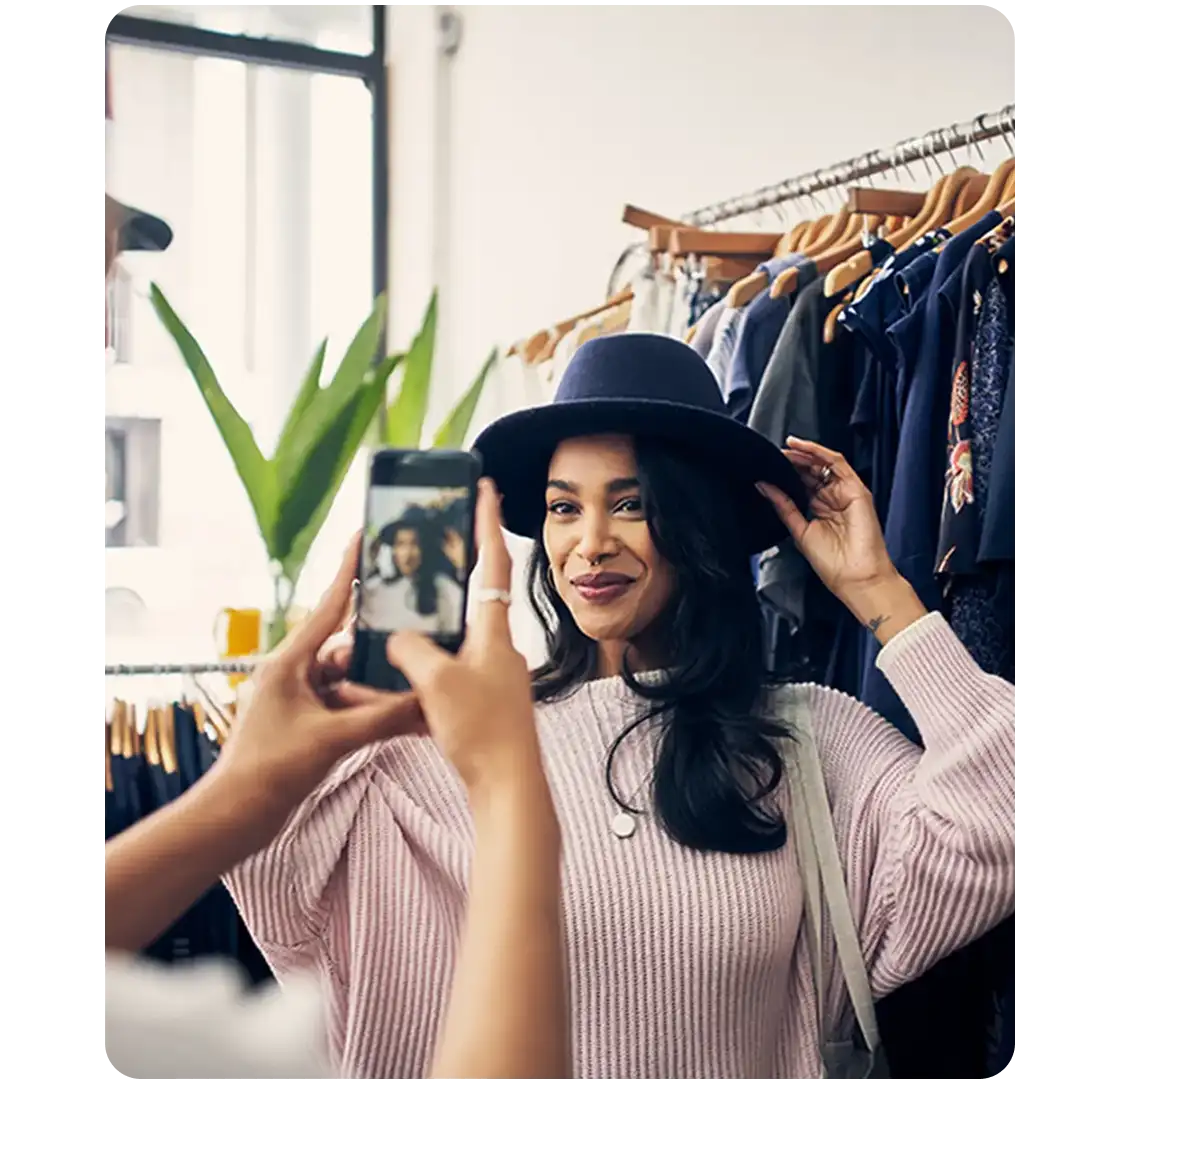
x=242, y=666
x=964, y=135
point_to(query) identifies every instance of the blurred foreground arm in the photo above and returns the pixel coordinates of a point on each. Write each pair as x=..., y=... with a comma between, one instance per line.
x=292, y=732
x=508, y=1015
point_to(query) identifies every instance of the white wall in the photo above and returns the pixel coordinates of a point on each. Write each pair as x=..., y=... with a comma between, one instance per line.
x=561, y=115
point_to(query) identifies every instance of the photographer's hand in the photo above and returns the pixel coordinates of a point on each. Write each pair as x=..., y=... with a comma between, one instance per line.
x=298, y=720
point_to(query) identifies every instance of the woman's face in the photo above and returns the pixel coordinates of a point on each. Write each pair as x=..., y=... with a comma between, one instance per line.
x=407, y=551
x=605, y=566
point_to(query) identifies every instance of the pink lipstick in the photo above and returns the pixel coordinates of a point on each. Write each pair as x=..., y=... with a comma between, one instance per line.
x=601, y=587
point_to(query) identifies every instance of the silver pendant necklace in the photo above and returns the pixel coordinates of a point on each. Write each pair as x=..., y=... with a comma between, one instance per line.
x=623, y=825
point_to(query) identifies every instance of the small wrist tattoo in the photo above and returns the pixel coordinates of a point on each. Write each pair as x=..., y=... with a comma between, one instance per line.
x=875, y=624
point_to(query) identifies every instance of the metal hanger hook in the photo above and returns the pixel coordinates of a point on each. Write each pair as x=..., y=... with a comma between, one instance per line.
x=926, y=165
x=1007, y=121
x=976, y=130
x=946, y=137
x=928, y=141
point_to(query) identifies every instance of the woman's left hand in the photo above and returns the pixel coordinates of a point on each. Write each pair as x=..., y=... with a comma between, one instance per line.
x=842, y=538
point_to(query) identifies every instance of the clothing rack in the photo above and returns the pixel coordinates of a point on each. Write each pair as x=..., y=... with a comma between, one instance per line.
x=242, y=666
x=963, y=135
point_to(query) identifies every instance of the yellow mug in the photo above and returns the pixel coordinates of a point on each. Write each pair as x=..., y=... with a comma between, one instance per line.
x=238, y=633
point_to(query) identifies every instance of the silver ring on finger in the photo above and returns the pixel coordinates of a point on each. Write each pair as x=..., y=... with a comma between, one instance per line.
x=826, y=476
x=493, y=595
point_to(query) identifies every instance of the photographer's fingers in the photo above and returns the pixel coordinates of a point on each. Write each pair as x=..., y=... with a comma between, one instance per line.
x=335, y=655
x=333, y=609
x=418, y=657
x=363, y=717
x=489, y=621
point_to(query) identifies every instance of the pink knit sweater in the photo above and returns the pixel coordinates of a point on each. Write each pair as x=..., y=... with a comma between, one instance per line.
x=683, y=964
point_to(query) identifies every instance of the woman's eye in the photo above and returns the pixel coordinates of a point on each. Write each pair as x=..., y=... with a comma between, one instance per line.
x=562, y=507
x=632, y=506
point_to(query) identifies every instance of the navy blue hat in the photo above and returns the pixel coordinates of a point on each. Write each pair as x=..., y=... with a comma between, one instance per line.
x=636, y=384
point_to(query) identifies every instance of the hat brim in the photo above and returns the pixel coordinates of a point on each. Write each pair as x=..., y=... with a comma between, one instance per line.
x=141, y=231
x=517, y=449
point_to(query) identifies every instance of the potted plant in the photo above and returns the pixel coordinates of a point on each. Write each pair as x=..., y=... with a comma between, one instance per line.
x=401, y=423
x=292, y=491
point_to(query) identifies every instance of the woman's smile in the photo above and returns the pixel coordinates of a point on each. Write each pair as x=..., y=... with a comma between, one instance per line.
x=601, y=587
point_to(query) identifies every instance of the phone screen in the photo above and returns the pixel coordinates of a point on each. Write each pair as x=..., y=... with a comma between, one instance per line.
x=416, y=555
x=415, y=560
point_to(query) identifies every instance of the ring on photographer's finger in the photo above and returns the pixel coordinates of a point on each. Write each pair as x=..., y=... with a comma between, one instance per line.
x=490, y=595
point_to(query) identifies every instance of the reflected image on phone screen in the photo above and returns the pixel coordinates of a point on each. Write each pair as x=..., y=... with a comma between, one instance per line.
x=414, y=561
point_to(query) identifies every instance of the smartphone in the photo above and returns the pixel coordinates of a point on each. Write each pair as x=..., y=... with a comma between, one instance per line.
x=416, y=558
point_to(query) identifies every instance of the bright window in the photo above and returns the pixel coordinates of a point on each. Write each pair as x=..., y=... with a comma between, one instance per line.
x=265, y=176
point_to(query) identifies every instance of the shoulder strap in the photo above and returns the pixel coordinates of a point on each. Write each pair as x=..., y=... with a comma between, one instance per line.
x=823, y=878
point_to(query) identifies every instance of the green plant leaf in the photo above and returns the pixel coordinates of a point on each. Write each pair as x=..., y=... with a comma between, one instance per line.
x=324, y=408
x=254, y=470
x=342, y=443
x=375, y=434
x=307, y=392
x=453, y=431
x=406, y=415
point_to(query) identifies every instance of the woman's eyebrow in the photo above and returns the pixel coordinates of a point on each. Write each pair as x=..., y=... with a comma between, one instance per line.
x=626, y=483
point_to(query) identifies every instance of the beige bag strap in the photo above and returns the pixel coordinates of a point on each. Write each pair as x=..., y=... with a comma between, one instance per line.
x=823, y=879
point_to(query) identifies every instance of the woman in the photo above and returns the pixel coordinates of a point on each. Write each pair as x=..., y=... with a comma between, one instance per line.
x=408, y=590
x=665, y=745
x=507, y=1014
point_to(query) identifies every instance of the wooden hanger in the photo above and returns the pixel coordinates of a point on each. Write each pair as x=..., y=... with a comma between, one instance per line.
x=970, y=194
x=905, y=203
x=530, y=350
x=857, y=224
x=786, y=281
x=978, y=193
x=166, y=737
x=814, y=231
x=901, y=204
x=986, y=201
x=874, y=203
x=151, y=736
x=842, y=270
x=134, y=739
x=743, y=292
x=118, y=729
x=556, y=336
x=830, y=236
x=717, y=243
x=806, y=238
x=795, y=237
x=831, y=322
x=1009, y=186
x=645, y=220
x=611, y=323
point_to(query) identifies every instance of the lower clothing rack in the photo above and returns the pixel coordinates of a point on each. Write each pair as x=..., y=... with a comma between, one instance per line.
x=245, y=665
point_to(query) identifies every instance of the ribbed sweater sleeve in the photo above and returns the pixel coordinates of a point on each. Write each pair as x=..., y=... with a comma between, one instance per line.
x=280, y=890
x=928, y=834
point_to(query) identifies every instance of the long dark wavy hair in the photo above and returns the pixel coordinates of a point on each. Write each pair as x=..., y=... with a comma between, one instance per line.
x=718, y=763
x=425, y=579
